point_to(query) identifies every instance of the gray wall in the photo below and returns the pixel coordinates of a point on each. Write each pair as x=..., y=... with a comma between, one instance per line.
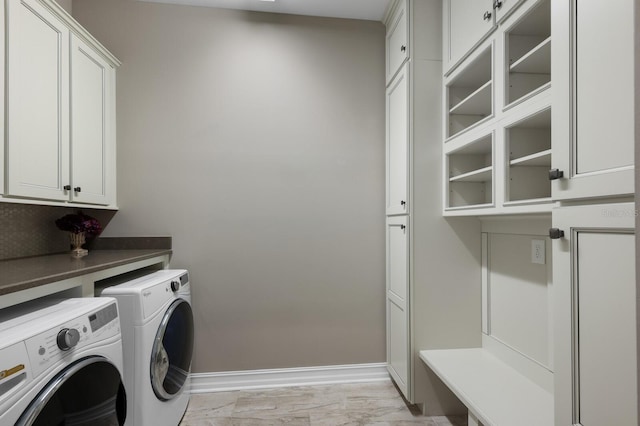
x=257, y=142
x=66, y=4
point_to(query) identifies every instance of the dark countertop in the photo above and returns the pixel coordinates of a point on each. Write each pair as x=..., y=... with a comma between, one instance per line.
x=25, y=273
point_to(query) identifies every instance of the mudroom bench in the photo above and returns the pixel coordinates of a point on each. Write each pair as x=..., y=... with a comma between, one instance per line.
x=494, y=393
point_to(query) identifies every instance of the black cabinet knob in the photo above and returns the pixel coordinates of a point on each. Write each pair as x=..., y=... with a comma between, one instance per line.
x=403, y=48
x=487, y=15
x=555, y=174
x=403, y=203
x=77, y=189
x=497, y=4
x=555, y=233
x=67, y=187
x=403, y=227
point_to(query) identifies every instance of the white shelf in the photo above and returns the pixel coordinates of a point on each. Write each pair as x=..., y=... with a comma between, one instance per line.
x=480, y=175
x=477, y=103
x=536, y=61
x=538, y=159
x=493, y=392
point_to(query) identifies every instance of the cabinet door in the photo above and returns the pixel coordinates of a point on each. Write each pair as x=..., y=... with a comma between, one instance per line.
x=596, y=328
x=398, y=143
x=593, y=132
x=92, y=128
x=503, y=8
x=38, y=102
x=397, y=301
x=397, y=39
x=466, y=24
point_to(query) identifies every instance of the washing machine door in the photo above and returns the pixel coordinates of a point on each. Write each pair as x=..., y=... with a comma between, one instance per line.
x=88, y=392
x=172, y=351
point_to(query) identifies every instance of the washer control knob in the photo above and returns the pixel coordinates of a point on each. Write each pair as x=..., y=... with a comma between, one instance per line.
x=68, y=338
x=175, y=285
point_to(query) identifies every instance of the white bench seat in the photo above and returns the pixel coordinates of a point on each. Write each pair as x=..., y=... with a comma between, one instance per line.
x=493, y=392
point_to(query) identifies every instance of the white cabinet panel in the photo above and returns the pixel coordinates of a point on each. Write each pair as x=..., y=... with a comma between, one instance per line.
x=397, y=306
x=397, y=240
x=596, y=330
x=519, y=295
x=38, y=102
x=604, y=111
x=593, y=139
x=397, y=39
x=397, y=359
x=398, y=143
x=92, y=138
x=503, y=8
x=606, y=323
x=466, y=24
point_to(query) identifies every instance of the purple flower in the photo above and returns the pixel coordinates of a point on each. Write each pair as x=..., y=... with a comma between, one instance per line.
x=79, y=222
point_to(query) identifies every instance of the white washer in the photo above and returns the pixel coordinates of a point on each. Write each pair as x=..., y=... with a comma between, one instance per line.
x=61, y=363
x=157, y=335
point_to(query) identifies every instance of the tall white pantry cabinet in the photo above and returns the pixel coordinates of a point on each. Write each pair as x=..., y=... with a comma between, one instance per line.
x=426, y=254
x=535, y=164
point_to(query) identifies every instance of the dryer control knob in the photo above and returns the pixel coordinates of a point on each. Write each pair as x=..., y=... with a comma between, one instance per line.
x=68, y=338
x=175, y=285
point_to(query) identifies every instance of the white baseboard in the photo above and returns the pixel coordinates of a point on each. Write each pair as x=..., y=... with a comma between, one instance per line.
x=285, y=377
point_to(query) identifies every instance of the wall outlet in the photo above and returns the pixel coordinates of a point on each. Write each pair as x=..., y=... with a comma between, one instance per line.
x=538, y=252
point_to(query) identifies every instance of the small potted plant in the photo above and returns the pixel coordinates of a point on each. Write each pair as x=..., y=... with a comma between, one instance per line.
x=79, y=225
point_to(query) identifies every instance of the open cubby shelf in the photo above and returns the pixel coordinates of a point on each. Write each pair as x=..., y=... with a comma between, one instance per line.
x=471, y=174
x=529, y=53
x=480, y=175
x=537, y=159
x=477, y=103
x=536, y=61
x=470, y=94
x=529, y=148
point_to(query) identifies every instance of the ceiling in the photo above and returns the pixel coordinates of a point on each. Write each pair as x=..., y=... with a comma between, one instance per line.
x=372, y=10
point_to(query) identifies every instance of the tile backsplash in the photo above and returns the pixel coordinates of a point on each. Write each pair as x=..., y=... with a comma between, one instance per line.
x=29, y=230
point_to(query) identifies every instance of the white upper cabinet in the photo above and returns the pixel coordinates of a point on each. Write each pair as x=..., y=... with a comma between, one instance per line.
x=502, y=8
x=38, y=102
x=466, y=24
x=397, y=39
x=92, y=124
x=593, y=132
x=398, y=144
x=60, y=144
x=497, y=110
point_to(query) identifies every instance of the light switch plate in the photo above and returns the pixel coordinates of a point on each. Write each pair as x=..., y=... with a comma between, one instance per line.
x=538, y=252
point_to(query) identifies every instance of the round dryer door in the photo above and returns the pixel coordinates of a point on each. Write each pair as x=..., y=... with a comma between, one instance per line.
x=88, y=392
x=172, y=351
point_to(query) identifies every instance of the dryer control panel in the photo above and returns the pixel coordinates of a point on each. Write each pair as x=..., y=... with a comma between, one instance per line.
x=53, y=345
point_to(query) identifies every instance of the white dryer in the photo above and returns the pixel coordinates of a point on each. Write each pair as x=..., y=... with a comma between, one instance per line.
x=157, y=335
x=61, y=363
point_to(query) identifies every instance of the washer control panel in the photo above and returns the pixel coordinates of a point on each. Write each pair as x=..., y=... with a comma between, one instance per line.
x=49, y=347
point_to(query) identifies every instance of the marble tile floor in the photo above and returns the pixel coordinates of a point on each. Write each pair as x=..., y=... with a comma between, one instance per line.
x=375, y=404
